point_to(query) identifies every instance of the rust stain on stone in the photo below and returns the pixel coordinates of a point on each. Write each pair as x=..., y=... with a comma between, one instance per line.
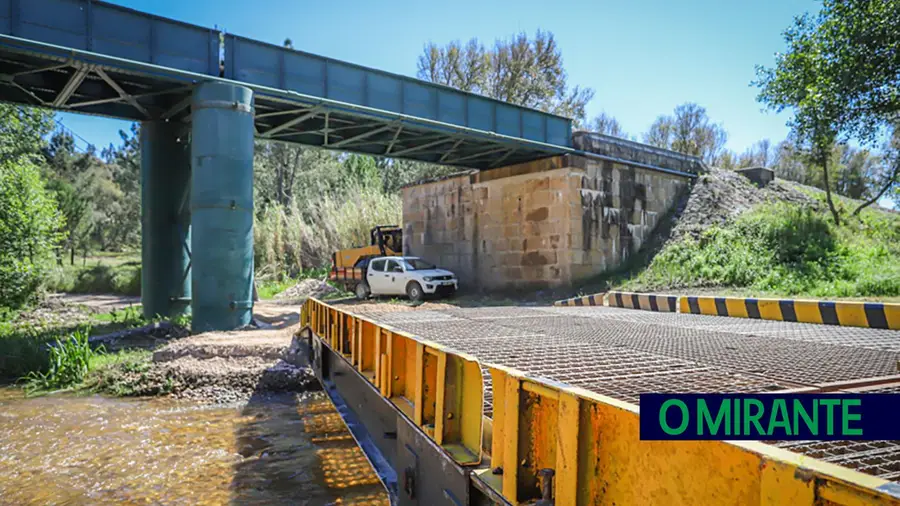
x=539, y=214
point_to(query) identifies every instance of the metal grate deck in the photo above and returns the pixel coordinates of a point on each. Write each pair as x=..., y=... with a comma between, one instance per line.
x=880, y=458
x=622, y=353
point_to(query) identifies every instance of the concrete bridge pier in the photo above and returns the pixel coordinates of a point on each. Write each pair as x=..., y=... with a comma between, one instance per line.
x=165, y=219
x=222, y=206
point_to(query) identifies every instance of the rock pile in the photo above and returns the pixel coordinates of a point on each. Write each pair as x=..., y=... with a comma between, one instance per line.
x=306, y=288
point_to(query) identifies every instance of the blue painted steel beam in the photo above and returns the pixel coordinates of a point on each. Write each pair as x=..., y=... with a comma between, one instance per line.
x=136, y=43
x=161, y=89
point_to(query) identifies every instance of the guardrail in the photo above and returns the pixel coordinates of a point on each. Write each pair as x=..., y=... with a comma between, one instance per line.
x=851, y=314
x=588, y=300
x=645, y=301
x=441, y=392
x=877, y=315
x=580, y=447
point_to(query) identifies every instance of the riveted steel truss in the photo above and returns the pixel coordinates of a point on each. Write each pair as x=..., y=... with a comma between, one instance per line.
x=91, y=84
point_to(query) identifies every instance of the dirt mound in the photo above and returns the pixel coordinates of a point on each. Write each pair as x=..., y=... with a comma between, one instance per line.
x=306, y=288
x=722, y=195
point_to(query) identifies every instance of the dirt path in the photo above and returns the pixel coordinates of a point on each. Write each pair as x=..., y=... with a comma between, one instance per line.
x=97, y=303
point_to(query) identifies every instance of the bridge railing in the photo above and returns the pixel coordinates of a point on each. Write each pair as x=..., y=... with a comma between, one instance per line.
x=588, y=445
x=115, y=31
x=440, y=391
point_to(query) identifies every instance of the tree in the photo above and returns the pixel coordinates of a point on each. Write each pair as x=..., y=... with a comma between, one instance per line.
x=608, y=125
x=29, y=225
x=799, y=80
x=689, y=131
x=70, y=179
x=758, y=155
x=890, y=171
x=728, y=160
x=119, y=181
x=22, y=131
x=841, y=74
x=522, y=71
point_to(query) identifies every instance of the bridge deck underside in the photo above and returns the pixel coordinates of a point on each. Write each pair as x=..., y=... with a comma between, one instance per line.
x=39, y=75
x=623, y=353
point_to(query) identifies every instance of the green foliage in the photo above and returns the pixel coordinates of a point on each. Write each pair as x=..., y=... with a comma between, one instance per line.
x=29, y=229
x=794, y=234
x=22, y=131
x=122, y=279
x=70, y=361
x=786, y=249
x=840, y=76
x=122, y=374
x=608, y=125
x=289, y=239
x=277, y=242
x=126, y=317
x=268, y=289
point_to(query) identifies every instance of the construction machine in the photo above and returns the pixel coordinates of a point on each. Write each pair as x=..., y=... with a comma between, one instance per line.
x=348, y=266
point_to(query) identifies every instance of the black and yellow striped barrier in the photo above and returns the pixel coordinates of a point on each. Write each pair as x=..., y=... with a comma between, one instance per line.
x=852, y=314
x=587, y=300
x=645, y=301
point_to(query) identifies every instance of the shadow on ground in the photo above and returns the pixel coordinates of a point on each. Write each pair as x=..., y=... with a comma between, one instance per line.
x=295, y=448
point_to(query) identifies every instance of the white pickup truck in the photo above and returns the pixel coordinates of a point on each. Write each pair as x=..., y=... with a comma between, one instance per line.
x=411, y=276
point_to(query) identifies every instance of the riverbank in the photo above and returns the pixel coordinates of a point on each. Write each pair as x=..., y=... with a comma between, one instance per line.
x=138, y=358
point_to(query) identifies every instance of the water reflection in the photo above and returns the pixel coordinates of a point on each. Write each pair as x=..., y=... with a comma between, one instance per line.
x=96, y=450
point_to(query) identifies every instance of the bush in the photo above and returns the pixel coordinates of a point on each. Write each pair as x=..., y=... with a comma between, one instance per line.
x=795, y=234
x=288, y=240
x=785, y=249
x=277, y=242
x=122, y=279
x=29, y=229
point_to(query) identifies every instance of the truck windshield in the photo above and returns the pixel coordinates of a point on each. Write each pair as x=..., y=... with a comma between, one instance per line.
x=417, y=264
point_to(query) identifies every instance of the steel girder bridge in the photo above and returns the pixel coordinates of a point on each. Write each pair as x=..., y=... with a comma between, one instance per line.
x=203, y=95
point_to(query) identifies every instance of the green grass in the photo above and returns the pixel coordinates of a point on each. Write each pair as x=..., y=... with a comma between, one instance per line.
x=24, y=346
x=130, y=316
x=786, y=250
x=112, y=273
x=69, y=362
x=268, y=289
x=122, y=374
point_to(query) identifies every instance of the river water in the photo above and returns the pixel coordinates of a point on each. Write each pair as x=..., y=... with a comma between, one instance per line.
x=94, y=450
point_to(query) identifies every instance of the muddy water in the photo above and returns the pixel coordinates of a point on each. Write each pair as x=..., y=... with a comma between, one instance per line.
x=98, y=450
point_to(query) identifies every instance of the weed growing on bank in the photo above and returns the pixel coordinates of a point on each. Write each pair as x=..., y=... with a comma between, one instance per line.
x=70, y=361
x=786, y=249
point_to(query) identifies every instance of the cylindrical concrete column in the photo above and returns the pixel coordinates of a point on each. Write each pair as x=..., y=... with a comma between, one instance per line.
x=165, y=219
x=222, y=206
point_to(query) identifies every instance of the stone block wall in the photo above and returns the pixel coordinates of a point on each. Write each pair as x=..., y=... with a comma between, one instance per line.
x=536, y=225
x=620, y=206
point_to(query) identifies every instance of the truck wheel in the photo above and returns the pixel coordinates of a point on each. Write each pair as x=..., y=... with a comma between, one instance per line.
x=414, y=291
x=362, y=291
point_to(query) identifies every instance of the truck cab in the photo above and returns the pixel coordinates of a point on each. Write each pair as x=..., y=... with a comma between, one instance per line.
x=410, y=276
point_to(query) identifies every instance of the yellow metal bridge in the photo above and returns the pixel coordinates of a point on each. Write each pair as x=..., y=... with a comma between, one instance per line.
x=539, y=405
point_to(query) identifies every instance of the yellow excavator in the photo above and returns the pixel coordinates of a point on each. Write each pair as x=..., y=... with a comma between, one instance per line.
x=348, y=266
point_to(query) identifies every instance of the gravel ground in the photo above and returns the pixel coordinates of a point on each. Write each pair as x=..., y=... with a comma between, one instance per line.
x=722, y=195
x=223, y=367
x=306, y=288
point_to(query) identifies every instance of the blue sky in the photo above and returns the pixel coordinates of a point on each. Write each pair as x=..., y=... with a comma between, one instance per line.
x=642, y=57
